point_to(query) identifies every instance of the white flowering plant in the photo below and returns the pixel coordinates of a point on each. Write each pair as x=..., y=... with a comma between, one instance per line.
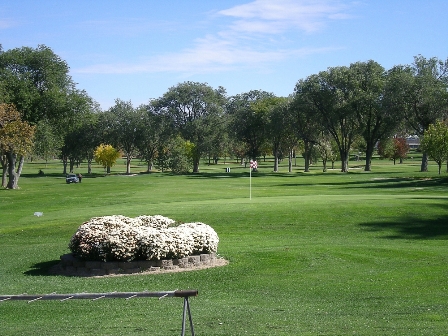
x=122, y=238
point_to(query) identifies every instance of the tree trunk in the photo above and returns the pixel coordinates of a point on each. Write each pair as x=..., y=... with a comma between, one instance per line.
x=19, y=168
x=72, y=165
x=128, y=165
x=12, y=182
x=108, y=170
x=89, y=166
x=369, y=154
x=275, y=161
x=64, y=164
x=4, y=162
x=344, y=161
x=196, y=159
x=440, y=166
x=307, y=156
x=290, y=156
x=424, y=165
x=307, y=162
x=324, y=162
x=195, y=166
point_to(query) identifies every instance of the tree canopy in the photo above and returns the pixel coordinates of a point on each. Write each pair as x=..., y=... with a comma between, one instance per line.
x=329, y=114
x=195, y=110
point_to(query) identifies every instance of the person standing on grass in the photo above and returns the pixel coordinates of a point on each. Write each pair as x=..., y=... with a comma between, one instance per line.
x=80, y=177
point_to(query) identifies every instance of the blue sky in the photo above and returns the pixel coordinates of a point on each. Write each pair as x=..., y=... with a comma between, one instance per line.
x=136, y=50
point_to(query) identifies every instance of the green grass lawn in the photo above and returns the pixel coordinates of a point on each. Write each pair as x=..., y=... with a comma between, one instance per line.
x=310, y=254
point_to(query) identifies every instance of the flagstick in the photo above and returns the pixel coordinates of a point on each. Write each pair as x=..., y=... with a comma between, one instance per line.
x=250, y=183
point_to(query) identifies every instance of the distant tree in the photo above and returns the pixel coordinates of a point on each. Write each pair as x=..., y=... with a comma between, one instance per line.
x=16, y=139
x=386, y=148
x=238, y=149
x=280, y=128
x=123, y=129
x=181, y=155
x=37, y=82
x=421, y=95
x=79, y=109
x=306, y=123
x=106, y=155
x=367, y=84
x=86, y=137
x=47, y=142
x=196, y=112
x=329, y=102
x=154, y=130
x=327, y=150
x=249, y=114
x=435, y=142
x=393, y=148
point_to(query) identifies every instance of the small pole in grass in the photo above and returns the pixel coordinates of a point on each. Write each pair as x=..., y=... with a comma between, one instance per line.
x=253, y=165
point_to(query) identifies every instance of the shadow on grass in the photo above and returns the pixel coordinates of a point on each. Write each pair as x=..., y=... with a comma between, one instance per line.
x=42, y=268
x=399, y=182
x=59, y=175
x=412, y=227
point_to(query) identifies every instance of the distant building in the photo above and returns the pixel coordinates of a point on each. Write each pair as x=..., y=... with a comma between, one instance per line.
x=413, y=141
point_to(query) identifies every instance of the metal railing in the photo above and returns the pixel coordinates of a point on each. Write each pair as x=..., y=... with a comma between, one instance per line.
x=114, y=295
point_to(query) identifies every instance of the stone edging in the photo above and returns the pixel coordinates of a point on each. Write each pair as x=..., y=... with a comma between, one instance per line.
x=71, y=266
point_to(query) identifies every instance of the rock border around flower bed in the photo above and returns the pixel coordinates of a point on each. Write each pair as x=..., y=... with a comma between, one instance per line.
x=71, y=266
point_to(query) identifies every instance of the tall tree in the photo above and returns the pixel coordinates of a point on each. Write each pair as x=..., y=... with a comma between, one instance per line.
x=154, y=130
x=78, y=111
x=249, y=115
x=47, y=142
x=83, y=140
x=307, y=124
x=37, y=82
x=329, y=95
x=16, y=138
x=195, y=110
x=123, y=129
x=280, y=128
x=368, y=82
x=421, y=94
x=435, y=142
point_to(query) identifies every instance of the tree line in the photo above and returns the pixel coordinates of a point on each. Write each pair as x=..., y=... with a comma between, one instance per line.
x=44, y=115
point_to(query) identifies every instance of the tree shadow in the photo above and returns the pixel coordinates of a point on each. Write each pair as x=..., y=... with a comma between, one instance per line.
x=42, y=268
x=412, y=227
x=59, y=175
x=381, y=183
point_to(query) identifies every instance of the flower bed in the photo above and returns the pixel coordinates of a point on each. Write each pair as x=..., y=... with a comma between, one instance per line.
x=72, y=266
x=151, y=238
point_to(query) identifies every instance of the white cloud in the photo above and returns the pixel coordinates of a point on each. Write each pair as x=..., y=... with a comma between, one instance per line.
x=281, y=15
x=243, y=42
x=128, y=27
x=7, y=23
x=208, y=54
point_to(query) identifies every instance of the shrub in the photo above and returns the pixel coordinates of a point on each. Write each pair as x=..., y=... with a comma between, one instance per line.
x=122, y=238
